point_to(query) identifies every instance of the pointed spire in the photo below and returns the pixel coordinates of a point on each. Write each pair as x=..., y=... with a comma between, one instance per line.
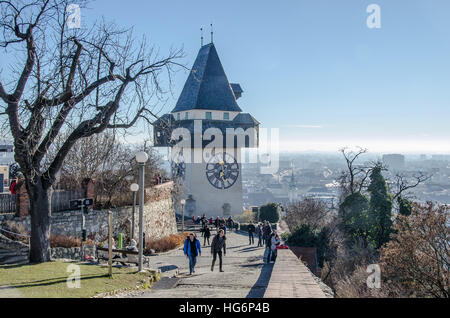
x=207, y=86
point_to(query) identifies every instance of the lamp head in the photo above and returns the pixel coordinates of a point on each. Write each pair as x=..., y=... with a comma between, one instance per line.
x=183, y=201
x=141, y=157
x=134, y=187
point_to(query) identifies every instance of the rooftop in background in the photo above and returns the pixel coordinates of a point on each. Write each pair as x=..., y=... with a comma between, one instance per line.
x=207, y=86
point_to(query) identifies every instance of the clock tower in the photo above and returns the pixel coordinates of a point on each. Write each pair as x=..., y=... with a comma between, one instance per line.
x=206, y=131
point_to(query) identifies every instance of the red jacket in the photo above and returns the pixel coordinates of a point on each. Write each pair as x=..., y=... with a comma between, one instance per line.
x=11, y=187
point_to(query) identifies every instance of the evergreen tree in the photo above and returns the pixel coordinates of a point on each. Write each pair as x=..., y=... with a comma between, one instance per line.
x=270, y=212
x=380, y=210
x=354, y=215
x=404, y=206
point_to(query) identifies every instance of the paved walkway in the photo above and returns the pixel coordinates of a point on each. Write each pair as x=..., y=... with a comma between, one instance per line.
x=245, y=273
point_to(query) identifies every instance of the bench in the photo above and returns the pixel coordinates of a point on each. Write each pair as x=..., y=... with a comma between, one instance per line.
x=104, y=256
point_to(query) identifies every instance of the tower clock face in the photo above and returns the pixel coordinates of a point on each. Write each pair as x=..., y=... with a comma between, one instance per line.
x=222, y=170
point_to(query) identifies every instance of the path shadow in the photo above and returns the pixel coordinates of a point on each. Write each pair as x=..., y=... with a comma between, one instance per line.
x=259, y=288
x=237, y=246
x=51, y=281
x=248, y=249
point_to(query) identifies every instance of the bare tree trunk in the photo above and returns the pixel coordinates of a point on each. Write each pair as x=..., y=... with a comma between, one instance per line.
x=40, y=200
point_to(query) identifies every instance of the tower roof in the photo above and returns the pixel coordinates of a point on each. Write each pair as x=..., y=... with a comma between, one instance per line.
x=207, y=86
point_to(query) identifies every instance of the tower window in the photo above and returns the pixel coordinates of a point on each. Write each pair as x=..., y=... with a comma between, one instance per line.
x=226, y=116
x=186, y=115
x=178, y=116
x=208, y=115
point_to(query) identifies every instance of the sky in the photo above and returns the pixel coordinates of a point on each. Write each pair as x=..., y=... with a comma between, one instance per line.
x=313, y=69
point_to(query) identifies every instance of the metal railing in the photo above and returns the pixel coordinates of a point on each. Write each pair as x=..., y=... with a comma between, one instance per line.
x=17, y=234
x=8, y=203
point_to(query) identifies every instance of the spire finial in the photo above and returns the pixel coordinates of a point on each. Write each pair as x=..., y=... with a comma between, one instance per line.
x=201, y=36
x=211, y=33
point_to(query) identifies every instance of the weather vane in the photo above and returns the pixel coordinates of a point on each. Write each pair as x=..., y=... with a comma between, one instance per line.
x=211, y=33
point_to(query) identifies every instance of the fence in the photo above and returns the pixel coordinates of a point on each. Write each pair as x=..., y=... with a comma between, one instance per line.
x=8, y=202
x=60, y=200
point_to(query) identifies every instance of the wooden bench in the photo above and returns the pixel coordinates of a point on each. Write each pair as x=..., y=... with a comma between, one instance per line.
x=103, y=256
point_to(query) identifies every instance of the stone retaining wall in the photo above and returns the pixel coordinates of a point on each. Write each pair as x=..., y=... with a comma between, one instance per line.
x=159, y=218
x=72, y=252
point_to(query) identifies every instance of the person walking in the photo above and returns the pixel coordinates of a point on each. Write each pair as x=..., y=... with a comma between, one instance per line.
x=218, y=243
x=230, y=223
x=259, y=234
x=275, y=241
x=204, y=222
x=222, y=226
x=268, y=250
x=192, y=249
x=206, y=235
x=267, y=231
x=217, y=223
x=251, y=229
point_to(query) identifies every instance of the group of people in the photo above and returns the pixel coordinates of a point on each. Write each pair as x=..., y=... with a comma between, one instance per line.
x=267, y=237
x=192, y=249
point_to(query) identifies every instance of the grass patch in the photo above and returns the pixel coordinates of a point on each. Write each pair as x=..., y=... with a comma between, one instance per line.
x=49, y=280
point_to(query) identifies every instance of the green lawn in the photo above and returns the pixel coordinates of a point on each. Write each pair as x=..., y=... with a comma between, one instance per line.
x=50, y=280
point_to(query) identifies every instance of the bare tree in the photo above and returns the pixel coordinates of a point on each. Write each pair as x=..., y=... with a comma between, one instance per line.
x=354, y=178
x=74, y=81
x=402, y=183
x=309, y=211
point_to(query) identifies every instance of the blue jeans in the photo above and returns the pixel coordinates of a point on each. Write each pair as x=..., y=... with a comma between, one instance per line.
x=192, y=262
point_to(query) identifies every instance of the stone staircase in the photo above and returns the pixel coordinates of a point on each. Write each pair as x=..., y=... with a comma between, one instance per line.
x=12, y=252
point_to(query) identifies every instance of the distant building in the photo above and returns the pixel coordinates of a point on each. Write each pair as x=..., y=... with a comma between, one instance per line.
x=441, y=157
x=394, y=161
x=6, y=154
x=4, y=178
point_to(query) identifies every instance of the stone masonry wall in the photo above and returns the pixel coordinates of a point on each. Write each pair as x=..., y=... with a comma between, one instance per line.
x=159, y=218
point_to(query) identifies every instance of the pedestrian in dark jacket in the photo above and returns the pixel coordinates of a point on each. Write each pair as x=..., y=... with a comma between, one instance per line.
x=259, y=234
x=267, y=231
x=206, y=235
x=268, y=250
x=218, y=243
x=251, y=229
x=204, y=222
x=217, y=222
x=192, y=249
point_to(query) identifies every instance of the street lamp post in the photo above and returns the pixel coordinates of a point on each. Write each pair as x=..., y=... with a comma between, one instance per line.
x=134, y=187
x=141, y=159
x=183, y=202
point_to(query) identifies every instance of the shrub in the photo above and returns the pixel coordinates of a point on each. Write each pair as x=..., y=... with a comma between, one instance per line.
x=270, y=212
x=355, y=286
x=67, y=241
x=306, y=236
x=166, y=243
x=415, y=262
